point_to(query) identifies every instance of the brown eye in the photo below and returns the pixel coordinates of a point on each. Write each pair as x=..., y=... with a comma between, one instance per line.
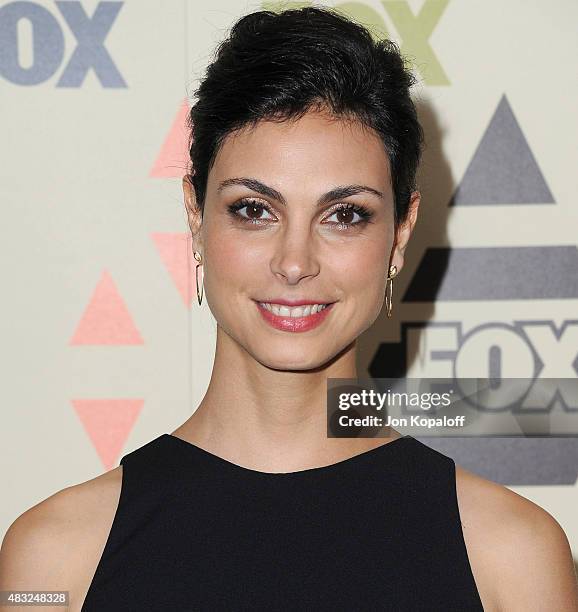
x=254, y=211
x=250, y=211
x=346, y=216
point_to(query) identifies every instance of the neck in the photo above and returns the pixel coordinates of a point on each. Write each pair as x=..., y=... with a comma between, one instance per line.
x=269, y=419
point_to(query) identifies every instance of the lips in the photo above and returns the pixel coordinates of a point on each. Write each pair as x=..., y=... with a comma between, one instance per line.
x=294, y=324
x=292, y=303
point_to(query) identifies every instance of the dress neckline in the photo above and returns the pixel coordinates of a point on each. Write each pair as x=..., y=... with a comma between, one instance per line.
x=396, y=444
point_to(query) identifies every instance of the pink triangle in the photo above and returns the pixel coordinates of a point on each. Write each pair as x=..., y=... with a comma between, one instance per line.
x=108, y=423
x=172, y=160
x=106, y=319
x=175, y=251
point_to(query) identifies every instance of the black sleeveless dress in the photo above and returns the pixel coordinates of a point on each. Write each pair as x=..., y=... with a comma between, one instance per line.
x=195, y=532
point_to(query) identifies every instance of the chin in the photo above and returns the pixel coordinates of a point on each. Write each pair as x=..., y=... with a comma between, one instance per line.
x=294, y=362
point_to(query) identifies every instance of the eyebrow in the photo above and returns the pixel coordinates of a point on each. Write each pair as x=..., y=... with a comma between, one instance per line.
x=336, y=193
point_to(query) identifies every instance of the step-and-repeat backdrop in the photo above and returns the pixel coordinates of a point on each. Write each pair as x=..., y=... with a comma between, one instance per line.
x=104, y=346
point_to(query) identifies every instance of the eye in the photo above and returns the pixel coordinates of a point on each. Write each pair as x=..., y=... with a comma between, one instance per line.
x=346, y=216
x=253, y=214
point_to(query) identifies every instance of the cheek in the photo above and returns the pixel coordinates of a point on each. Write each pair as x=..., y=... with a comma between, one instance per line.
x=231, y=262
x=362, y=266
x=361, y=273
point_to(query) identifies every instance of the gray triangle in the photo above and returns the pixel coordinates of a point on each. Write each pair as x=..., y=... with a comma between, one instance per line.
x=503, y=169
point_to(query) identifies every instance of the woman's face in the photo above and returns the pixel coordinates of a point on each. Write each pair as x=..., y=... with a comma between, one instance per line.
x=273, y=231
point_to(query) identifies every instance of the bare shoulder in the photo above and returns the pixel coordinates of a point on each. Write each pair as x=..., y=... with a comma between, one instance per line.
x=56, y=544
x=520, y=556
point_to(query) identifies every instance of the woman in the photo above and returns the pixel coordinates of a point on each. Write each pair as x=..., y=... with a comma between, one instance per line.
x=301, y=201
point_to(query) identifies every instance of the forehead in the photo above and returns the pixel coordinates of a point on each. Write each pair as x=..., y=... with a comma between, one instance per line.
x=315, y=149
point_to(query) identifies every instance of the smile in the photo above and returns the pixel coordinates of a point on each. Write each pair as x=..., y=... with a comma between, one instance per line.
x=294, y=319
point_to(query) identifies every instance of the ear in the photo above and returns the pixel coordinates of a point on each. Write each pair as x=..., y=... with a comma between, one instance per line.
x=194, y=215
x=404, y=232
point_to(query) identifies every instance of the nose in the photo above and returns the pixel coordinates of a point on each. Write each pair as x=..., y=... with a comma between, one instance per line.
x=295, y=256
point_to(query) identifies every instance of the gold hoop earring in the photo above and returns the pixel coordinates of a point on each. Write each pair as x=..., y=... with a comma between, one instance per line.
x=389, y=285
x=198, y=257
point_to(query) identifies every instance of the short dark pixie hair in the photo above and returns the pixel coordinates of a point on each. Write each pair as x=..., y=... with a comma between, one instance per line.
x=278, y=66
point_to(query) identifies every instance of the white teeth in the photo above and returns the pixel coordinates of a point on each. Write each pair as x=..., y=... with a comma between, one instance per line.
x=299, y=311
